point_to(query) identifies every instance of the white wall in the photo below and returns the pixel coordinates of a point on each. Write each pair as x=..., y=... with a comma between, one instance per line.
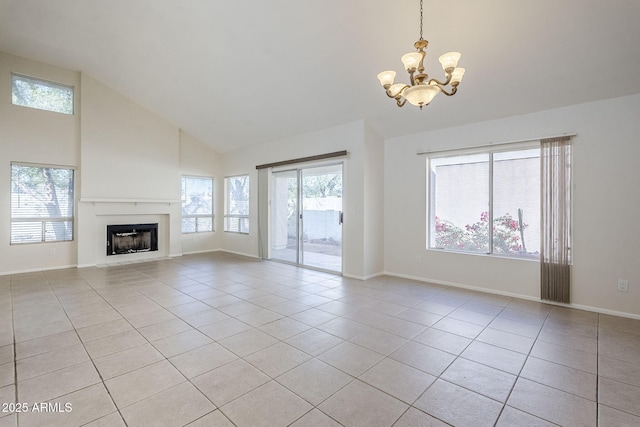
x=34, y=136
x=373, y=203
x=350, y=137
x=127, y=152
x=606, y=205
x=196, y=159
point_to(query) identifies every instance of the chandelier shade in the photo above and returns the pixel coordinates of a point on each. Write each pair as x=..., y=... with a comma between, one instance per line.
x=456, y=76
x=396, y=88
x=421, y=95
x=449, y=60
x=387, y=77
x=422, y=90
x=411, y=60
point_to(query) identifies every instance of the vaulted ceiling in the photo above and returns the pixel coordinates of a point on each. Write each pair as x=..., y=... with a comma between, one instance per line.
x=237, y=73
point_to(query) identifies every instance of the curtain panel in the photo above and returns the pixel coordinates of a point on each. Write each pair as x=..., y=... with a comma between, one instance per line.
x=555, y=218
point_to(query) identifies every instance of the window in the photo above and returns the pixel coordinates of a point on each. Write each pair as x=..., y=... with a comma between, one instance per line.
x=41, y=204
x=236, y=204
x=41, y=94
x=469, y=192
x=197, y=204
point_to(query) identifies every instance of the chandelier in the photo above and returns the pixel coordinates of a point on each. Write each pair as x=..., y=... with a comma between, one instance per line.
x=422, y=89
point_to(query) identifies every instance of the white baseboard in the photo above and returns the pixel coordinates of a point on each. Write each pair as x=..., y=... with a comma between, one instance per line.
x=515, y=295
x=595, y=309
x=239, y=253
x=206, y=251
x=370, y=276
x=86, y=265
x=35, y=270
x=461, y=285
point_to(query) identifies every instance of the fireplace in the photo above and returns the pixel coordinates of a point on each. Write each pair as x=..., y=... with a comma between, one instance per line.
x=131, y=238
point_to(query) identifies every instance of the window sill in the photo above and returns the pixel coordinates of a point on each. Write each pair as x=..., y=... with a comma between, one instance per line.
x=198, y=232
x=529, y=259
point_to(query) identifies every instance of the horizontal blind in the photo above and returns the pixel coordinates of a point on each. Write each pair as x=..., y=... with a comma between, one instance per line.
x=41, y=203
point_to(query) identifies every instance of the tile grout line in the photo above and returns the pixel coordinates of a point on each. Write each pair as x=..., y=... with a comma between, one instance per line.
x=411, y=405
x=457, y=356
x=597, y=370
x=217, y=408
x=75, y=330
x=554, y=362
x=315, y=357
x=365, y=294
x=412, y=340
x=522, y=368
x=84, y=346
x=124, y=318
x=195, y=328
x=312, y=357
x=15, y=346
x=151, y=344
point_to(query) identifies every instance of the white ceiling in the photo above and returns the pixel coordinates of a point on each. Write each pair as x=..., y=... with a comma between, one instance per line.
x=238, y=73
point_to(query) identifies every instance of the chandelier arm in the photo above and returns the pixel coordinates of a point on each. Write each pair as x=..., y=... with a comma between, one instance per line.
x=400, y=104
x=398, y=95
x=454, y=89
x=439, y=83
x=413, y=82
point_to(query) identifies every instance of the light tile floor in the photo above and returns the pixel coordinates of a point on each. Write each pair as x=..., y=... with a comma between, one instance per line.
x=220, y=340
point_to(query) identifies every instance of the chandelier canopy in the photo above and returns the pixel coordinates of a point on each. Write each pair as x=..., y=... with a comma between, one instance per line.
x=422, y=89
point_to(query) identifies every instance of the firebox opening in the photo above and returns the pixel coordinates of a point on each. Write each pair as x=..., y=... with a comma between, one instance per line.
x=131, y=238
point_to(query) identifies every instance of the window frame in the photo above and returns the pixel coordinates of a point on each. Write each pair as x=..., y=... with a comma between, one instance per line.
x=212, y=216
x=490, y=150
x=42, y=219
x=48, y=83
x=227, y=205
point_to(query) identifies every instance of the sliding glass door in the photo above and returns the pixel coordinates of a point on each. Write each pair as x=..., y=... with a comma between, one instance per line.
x=284, y=216
x=306, y=216
x=321, y=219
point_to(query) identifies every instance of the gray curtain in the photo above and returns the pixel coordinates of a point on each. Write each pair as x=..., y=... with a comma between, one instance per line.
x=555, y=218
x=263, y=213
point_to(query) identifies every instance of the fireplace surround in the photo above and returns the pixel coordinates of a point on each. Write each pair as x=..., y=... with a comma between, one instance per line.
x=131, y=238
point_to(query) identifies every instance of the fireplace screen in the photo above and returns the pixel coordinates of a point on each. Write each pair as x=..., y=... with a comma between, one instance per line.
x=131, y=238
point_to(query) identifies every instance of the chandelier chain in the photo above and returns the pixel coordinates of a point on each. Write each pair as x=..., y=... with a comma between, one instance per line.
x=421, y=20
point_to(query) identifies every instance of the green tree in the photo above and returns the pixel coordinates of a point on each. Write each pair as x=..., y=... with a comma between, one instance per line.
x=324, y=185
x=239, y=194
x=38, y=192
x=238, y=190
x=41, y=94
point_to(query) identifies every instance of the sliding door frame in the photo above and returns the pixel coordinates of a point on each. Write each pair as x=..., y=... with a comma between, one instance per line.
x=298, y=168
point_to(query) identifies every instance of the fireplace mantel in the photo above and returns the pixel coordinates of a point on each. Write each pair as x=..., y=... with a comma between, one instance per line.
x=95, y=213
